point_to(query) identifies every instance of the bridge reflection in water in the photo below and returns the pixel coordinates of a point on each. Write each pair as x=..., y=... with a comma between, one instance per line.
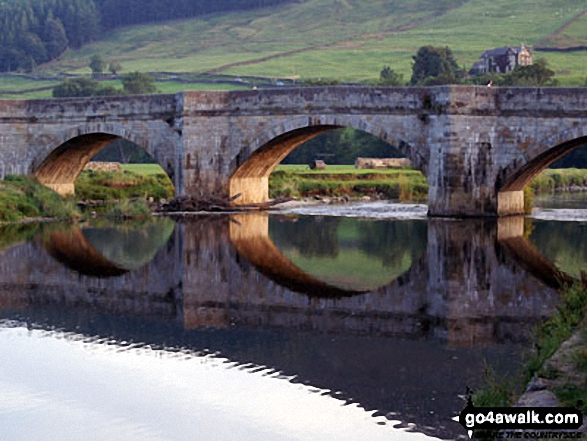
x=221, y=284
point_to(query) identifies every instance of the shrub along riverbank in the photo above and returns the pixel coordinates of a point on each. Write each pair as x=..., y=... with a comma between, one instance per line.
x=22, y=198
x=341, y=180
x=402, y=184
x=558, y=362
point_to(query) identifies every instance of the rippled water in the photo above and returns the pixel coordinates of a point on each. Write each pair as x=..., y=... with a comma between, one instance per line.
x=374, y=210
x=276, y=327
x=110, y=392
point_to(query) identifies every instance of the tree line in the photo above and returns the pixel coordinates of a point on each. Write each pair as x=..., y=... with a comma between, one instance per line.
x=33, y=31
x=433, y=66
x=36, y=31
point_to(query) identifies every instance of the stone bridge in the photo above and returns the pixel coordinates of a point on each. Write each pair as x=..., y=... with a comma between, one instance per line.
x=477, y=146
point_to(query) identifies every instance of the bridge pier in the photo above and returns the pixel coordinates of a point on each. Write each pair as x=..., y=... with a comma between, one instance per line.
x=478, y=147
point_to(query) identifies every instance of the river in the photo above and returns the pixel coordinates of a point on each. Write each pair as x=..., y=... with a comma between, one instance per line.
x=297, y=325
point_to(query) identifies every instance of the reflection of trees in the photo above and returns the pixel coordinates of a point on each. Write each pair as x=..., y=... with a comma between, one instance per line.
x=393, y=241
x=312, y=237
x=130, y=245
x=561, y=243
x=12, y=234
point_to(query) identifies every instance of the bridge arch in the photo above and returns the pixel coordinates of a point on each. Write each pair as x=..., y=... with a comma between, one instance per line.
x=512, y=179
x=255, y=162
x=62, y=158
x=541, y=154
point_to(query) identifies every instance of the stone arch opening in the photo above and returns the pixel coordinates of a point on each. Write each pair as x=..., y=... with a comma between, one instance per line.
x=254, y=163
x=108, y=251
x=63, y=164
x=513, y=179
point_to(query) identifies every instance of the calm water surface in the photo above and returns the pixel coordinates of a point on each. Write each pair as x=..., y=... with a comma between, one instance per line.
x=277, y=327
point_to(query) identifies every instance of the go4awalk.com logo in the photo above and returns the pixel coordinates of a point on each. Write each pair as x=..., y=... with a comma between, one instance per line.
x=522, y=422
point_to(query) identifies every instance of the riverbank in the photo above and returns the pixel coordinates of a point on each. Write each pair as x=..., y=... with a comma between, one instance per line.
x=121, y=194
x=339, y=181
x=555, y=372
x=135, y=190
x=405, y=185
x=23, y=198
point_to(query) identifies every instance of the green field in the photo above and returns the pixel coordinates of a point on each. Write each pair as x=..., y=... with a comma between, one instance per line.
x=144, y=169
x=339, y=169
x=350, y=40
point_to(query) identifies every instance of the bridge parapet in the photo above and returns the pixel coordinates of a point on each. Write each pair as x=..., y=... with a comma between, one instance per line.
x=477, y=146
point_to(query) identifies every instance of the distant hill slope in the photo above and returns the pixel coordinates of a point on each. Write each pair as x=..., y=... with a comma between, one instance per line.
x=346, y=39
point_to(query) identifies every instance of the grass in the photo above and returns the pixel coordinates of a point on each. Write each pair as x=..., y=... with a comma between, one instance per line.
x=558, y=328
x=297, y=181
x=404, y=184
x=144, y=169
x=500, y=391
x=23, y=197
x=550, y=180
x=126, y=184
x=350, y=40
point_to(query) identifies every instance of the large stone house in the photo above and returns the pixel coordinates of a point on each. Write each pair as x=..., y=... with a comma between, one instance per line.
x=502, y=60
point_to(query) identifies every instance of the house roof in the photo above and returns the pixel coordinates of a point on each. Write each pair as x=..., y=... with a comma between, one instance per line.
x=498, y=51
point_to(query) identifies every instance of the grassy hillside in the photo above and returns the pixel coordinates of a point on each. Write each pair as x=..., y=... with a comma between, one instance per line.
x=345, y=39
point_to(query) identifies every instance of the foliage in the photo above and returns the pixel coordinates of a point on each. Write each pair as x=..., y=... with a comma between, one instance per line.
x=389, y=77
x=137, y=83
x=133, y=83
x=559, y=180
x=23, y=197
x=529, y=196
x=114, y=67
x=125, y=152
x=121, y=13
x=18, y=232
x=109, y=186
x=559, y=327
x=497, y=390
x=435, y=65
x=76, y=87
x=333, y=249
x=537, y=74
x=342, y=146
x=36, y=31
x=391, y=184
x=126, y=209
x=82, y=86
x=97, y=64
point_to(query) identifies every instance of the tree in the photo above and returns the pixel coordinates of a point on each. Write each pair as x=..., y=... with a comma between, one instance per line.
x=537, y=74
x=137, y=83
x=97, y=64
x=114, y=67
x=33, y=47
x=55, y=38
x=81, y=87
x=435, y=65
x=77, y=87
x=388, y=77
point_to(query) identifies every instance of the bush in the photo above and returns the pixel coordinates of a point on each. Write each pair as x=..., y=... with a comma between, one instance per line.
x=23, y=197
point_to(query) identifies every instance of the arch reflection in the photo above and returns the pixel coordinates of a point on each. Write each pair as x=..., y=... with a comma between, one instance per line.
x=319, y=275
x=107, y=250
